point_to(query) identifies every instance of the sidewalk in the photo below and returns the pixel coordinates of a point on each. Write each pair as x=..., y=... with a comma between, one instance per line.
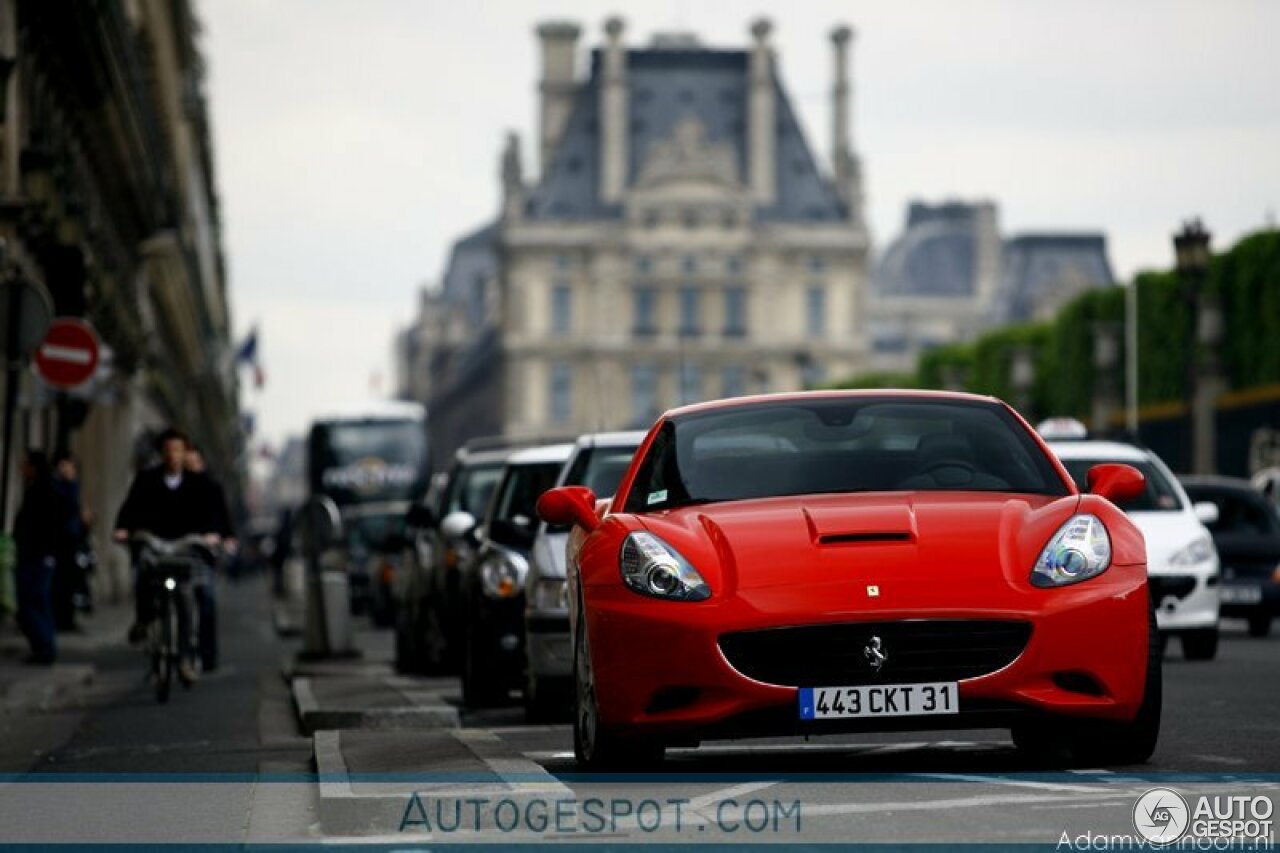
x=24, y=687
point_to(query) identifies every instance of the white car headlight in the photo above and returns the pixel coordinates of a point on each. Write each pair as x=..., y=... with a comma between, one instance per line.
x=551, y=594
x=1081, y=549
x=1199, y=551
x=652, y=567
x=502, y=574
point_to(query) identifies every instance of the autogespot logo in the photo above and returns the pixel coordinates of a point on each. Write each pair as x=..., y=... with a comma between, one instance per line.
x=1161, y=816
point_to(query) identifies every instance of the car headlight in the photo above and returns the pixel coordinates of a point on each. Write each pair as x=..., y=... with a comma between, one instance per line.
x=1081, y=549
x=502, y=574
x=652, y=567
x=1199, y=551
x=551, y=594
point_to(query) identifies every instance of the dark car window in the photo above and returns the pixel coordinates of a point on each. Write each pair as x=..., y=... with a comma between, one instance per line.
x=513, y=516
x=837, y=445
x=1159, y=495
x=472, y=488
x=600, y=469
x=1239, y=513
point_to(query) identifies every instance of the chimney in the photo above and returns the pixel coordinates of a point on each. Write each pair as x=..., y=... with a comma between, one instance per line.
x=557, y=88
x=614, y=129
x=848, y=172
x=762, y=117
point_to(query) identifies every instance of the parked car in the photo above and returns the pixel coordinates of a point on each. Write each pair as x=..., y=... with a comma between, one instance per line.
x=491, y=583
x=897, y=560
x=598, y=462
x=428, y=625
x=1180, y=555
x=1247, y=536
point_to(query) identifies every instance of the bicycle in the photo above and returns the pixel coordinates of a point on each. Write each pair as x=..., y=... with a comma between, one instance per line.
x=165, y=570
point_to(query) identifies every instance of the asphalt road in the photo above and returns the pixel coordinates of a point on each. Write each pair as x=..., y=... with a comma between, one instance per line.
x=1221, y=725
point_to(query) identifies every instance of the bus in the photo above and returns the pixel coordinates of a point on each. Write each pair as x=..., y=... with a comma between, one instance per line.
x=372, y=463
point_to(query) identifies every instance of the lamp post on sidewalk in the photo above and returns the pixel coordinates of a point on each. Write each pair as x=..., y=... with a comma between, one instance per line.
x=1191, y=252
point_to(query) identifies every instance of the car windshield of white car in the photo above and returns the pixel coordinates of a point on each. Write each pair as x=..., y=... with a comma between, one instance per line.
x=837, y=445
x=1159, y=495
x=600, y=469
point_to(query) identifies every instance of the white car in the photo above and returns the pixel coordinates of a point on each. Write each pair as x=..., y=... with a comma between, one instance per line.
x=1182, y=563
x=598, y=462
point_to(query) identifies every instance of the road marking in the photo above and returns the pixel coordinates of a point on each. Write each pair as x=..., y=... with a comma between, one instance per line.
x=956, y=803
x=699, y=803
x=1001, y=780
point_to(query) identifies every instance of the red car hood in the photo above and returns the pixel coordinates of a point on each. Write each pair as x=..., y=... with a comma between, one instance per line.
x=911, y=538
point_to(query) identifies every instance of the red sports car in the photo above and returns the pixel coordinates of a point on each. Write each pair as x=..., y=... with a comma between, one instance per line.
x=823, y=562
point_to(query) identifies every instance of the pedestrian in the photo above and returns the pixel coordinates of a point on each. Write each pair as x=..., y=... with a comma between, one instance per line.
x=68, y=578
x=39, y=528
x=204, y=586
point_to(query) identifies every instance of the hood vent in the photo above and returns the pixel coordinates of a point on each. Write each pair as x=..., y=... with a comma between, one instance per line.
x=865, y=538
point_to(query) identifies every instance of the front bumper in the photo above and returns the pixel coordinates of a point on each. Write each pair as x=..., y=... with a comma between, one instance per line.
x=1245, y=597
x=660, y=670
x=549, y=646
x=498, y=632
x=1186, y=600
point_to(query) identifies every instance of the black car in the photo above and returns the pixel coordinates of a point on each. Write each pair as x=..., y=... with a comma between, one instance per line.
x=428, y=621
x=1247, y=536
x=492, y=582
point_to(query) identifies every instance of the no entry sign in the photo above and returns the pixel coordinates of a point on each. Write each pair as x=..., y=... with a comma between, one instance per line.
x=68, y=356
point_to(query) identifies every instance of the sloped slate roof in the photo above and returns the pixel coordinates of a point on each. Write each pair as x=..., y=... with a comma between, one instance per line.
x=666, y=86
x=1037, y=264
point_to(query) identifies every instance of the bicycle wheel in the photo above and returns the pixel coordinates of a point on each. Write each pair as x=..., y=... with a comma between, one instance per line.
x=165, y=654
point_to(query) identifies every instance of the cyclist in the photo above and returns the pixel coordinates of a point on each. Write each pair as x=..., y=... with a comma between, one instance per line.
x=167, y=501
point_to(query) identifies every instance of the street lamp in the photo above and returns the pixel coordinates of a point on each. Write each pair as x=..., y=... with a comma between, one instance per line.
x=1191, y=253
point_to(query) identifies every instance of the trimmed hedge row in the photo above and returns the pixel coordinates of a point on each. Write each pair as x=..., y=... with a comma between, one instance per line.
x=1246, y=279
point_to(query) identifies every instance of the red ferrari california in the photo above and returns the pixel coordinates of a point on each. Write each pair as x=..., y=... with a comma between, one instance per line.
x=851, y=561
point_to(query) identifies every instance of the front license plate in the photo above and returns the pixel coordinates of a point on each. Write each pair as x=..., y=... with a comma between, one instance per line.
x=879, y=700
x=1242, y=594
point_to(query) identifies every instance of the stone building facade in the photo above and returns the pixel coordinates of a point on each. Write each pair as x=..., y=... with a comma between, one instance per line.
x=681, y=242
x=108, y=200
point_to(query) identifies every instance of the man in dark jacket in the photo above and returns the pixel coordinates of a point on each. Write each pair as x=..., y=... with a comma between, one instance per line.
x=38, y=531
x=169, y=502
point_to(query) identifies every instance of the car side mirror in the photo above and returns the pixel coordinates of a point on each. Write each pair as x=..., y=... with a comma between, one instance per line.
x=1206, y=511
x=420, y=517
x=458, y=524
x=1117, y=483
x=569, y=505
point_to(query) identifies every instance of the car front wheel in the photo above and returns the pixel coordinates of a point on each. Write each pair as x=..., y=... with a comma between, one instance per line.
x=596, y=746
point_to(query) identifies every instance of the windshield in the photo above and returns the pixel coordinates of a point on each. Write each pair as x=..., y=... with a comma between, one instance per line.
x=472, y=488
x=1240, y=512
x=1159, y=496
x=374, y=531
x=370, y=460
x=840, y=445
x=600, y=469
x=513, y=516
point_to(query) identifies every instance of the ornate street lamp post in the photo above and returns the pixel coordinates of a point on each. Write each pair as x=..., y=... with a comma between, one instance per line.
x=1191, y=251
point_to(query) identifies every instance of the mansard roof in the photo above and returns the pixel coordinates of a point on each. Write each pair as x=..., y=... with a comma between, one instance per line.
x=667, y=86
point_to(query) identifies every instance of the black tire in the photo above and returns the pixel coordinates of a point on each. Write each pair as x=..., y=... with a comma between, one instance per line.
x=478, y=687
x=595, y=747
x=1259, y=626
x=1106, y=742
x=547, y=701
x=409, y=652
x=164, y=657
x=1201, y=644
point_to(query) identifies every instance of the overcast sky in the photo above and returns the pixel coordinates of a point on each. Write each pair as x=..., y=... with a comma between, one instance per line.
x=356, y=138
